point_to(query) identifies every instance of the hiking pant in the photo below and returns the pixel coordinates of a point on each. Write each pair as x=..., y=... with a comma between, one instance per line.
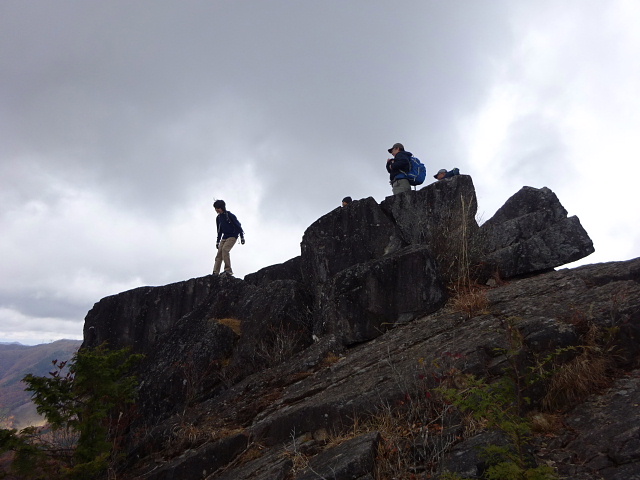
x=399, y=186
x=226, y=244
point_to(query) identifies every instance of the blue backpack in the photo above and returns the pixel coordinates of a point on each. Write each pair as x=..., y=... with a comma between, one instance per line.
x=417, y=172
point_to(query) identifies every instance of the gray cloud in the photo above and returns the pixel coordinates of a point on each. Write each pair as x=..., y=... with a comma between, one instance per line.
x=122, y=121
x=534, y=149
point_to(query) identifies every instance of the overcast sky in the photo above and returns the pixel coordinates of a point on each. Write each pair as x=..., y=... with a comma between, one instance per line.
x=122, y=121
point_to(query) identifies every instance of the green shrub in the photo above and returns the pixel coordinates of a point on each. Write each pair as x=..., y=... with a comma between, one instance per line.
x=500, y=405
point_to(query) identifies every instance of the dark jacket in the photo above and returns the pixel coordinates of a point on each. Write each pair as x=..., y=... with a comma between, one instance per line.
x=399, y=166
x=228, y=226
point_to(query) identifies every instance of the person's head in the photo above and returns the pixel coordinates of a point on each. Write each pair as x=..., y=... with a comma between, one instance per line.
x=440, y=175
x=397, y=147
x=219, y=205
x=346, y=201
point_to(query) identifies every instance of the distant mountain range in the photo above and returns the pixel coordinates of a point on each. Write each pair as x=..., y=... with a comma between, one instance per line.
x=16, y=361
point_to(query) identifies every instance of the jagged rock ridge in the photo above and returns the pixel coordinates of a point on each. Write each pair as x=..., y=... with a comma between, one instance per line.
x=238, y=356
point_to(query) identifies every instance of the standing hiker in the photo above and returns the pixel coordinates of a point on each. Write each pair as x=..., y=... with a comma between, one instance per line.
x=229, y=229
x=397, y=167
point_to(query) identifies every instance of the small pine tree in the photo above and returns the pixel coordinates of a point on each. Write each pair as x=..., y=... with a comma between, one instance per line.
x=87, y=401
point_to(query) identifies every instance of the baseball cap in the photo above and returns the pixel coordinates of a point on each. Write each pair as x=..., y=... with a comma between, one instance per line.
x=396, y=145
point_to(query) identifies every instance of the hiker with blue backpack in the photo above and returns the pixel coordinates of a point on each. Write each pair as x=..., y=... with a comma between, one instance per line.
x=404, y=169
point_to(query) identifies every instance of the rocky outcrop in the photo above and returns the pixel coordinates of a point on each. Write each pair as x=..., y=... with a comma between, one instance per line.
x=345, y=237
x=367, y=267
x=532, y=233
x=362, y=301
x=138, y=317
x=435, y=215
x=274, y=365
x=237, y=330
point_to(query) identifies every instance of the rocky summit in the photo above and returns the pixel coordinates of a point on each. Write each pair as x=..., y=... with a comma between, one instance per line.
x=364, y=356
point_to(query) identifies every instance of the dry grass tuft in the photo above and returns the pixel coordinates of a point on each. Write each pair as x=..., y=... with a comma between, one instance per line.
x=471, y=301
x=573, y=381
x=299, y=460
x=414, y=438
x=473, y=426
x=586, y=373
x=330, y=359
x=186, y=435
x=233, y=323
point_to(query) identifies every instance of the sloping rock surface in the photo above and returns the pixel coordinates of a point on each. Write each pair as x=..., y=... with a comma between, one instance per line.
x=602, y=438
x=288, y=409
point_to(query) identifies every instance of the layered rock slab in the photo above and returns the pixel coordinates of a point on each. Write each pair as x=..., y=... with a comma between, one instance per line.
x=531, y=233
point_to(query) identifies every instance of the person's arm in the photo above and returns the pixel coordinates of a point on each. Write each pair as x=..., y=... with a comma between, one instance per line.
x=219, y=231
x=402, y=163
x=236, y=222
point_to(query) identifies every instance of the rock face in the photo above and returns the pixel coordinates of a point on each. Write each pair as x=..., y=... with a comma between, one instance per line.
x=254, y=378
x=362, y=301
x=531, y=233
x=438, y=210
x=137, y=318
x=346, y=237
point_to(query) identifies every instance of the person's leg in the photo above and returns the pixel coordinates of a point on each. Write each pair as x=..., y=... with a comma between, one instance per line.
x=225, y=246
x=399, y=186
x=218, y=261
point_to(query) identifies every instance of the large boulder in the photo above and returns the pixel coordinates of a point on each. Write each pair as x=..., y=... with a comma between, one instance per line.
x=363, y=301
x=435, y=213
x=344, y=237
x=531, y=233
x=276, y=323
x=138, y=317
x=442, y=216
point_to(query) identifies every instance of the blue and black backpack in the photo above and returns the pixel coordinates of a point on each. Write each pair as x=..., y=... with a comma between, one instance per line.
x=417, y=172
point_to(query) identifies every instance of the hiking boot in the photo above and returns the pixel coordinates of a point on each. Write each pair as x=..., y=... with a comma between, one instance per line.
x=226, y=274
